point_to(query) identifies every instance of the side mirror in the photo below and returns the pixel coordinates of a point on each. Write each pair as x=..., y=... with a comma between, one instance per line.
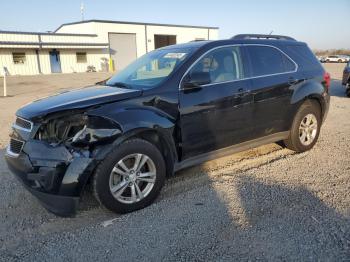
x=197, y=79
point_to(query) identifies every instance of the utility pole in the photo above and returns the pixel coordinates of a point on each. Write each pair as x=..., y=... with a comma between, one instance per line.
x=5, y=84
x=82, y=11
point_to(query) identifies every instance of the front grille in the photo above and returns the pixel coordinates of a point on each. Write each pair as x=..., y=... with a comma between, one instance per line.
x=15, y=146
x=24, y=124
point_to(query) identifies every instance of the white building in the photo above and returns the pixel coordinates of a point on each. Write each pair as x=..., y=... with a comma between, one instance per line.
x=75, y=46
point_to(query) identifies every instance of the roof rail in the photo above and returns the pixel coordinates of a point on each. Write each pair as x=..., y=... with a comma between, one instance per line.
x=260, y=36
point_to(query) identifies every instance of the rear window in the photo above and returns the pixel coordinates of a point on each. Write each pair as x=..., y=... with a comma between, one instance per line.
x=266, y=60
x=304, y=57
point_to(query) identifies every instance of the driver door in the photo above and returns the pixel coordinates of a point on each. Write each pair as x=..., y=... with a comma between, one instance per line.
x=216, y=114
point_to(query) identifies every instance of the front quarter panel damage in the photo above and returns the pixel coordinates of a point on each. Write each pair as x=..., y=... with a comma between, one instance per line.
x=64, y=149
x=61, y=152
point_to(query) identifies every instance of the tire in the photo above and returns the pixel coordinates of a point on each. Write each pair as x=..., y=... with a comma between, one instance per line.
x=105, y=181
x=297, y=140
x=340, y=61
x=348, y=90
x=328, y=61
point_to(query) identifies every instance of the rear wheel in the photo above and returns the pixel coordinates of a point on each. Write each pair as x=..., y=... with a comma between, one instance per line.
x=131, y=177
x=305, y=128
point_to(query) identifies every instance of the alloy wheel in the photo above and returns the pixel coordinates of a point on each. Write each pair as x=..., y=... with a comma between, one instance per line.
x=132, y=178
x=308, y=129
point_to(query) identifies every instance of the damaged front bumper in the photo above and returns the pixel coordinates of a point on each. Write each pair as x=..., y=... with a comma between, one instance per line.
x=59, y=205
x=54, y=172
x=52, y=175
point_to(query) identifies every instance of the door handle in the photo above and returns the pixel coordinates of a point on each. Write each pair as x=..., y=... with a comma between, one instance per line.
x=242, y=91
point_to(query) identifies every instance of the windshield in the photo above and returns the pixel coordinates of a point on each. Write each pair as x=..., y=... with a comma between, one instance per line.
x=150, y=69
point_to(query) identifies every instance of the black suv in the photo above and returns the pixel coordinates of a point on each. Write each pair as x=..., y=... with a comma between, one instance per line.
x=346, y=79
x=172, y=108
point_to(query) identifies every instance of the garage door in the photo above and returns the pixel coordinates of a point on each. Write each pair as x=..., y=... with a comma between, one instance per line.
x=122, y=49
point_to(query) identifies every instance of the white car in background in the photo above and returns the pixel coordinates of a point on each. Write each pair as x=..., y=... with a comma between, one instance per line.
x=337, y=59
x=322, y=59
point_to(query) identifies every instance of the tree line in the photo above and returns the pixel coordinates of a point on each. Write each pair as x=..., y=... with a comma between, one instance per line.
x=332, y=52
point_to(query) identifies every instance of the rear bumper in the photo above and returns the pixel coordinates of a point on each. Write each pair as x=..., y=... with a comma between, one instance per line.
x=60, y=205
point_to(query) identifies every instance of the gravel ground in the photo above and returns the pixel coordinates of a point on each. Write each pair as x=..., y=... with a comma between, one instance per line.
x=263, y=204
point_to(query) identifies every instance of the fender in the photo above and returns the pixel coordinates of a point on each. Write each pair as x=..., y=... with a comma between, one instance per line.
x=311, y=89
x=136, y=120
x=132, y=122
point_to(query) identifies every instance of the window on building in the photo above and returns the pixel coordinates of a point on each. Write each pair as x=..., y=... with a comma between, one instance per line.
x=81, y=57
x=164, y=40
x=19, y=58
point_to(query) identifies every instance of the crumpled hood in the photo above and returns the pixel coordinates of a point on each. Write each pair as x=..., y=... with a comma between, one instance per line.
x=76, y=99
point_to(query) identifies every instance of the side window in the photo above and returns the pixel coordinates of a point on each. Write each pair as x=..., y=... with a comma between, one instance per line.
x=223, y=64
x=81, y=57
x=267, y=60
x=302, y=55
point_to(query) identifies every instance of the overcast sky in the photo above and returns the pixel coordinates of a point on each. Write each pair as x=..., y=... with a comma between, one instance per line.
x=323, y=24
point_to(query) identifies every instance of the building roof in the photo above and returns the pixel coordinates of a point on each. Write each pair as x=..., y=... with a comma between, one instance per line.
x=132, y=23
x=45, y=33
x=38, y=40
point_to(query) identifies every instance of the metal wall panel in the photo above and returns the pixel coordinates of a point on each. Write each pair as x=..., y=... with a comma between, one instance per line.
x=122, y=49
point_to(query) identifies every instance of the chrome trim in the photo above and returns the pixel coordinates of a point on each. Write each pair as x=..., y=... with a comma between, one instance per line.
x=246, y=78
x=15, y=126
x=12, y=154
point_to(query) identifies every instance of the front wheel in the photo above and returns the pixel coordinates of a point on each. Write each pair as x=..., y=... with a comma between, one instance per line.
x=305, y=128
x=130, y=177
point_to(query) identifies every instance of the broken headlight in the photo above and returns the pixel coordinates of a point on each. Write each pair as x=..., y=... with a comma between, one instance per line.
x=77, y=130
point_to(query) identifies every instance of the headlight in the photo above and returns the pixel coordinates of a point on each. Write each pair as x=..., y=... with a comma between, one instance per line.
x=79, y=129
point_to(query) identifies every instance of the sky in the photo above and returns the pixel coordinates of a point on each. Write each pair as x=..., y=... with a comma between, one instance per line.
x=323, y=24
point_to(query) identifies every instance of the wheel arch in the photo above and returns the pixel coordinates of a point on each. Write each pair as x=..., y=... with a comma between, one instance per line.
x=313, y=91
x=160, y=138
x=162, y=141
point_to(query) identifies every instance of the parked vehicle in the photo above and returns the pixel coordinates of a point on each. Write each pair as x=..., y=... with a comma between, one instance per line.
x=346, y=57
x=172, y=108
x=336, y=59
x=321, y=59
x=346, y=79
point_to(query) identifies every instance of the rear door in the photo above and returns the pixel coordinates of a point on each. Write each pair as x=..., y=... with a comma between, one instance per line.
x=218, y=114
x=273, y=76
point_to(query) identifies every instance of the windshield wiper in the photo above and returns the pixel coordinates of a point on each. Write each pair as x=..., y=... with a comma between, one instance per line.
x=120, y=84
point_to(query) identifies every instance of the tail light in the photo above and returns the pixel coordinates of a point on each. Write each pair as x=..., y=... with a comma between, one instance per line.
x=327, y=80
